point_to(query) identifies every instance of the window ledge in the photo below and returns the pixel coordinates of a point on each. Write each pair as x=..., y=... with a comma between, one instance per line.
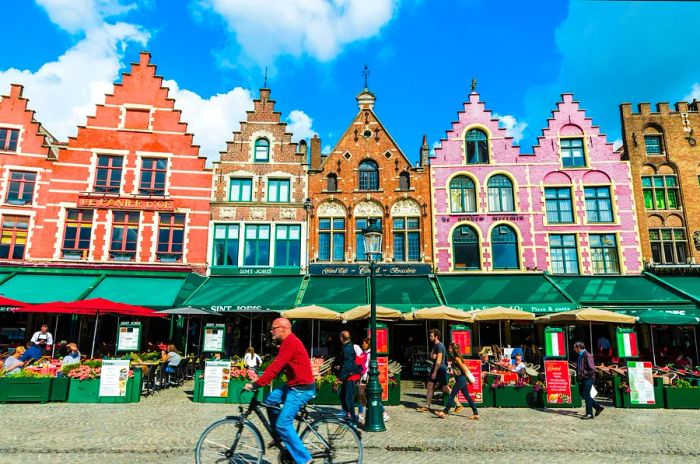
x=368, y=191
x=10, y=203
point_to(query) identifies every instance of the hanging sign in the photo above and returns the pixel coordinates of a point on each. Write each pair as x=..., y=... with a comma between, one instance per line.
x=216, y=377
x=382, y=338
x=554, y=343
x=129, y=336
x=627, y=343
x=462, y=335
x=213, y=338
x=383, y=364
x=641, y=382
x=113, y=377
x=556, y=375
x=475, y=389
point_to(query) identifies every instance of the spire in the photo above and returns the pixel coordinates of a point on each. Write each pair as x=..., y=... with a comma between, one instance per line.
x=424, y=151
x=366, y=99
x=365, y=74
x=265, y=82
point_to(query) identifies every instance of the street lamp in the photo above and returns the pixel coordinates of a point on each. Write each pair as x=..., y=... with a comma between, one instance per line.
x=374, y=420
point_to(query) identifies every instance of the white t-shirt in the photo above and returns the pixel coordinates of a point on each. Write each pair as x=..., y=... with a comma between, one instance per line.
x=42, y=336
x=252, y=360
x=520, y=367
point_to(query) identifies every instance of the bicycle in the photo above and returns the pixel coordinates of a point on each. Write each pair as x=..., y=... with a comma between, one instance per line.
x=235, y=439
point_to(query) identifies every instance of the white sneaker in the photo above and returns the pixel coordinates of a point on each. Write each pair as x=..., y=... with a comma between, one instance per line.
x=361, y=418
x=386, y=417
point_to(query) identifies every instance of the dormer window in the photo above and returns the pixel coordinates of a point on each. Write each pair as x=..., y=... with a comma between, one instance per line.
x=262, y=150
x=572, y=155
x=8, y=139
x=477, y=147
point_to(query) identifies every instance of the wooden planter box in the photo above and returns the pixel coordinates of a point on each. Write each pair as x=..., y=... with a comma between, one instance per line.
x=88, y=391
x=59, y=388
x=516, y=397
x=326, y=395
x=682, y=398
x=25, y=390
x=621, y=399
x=235, y=388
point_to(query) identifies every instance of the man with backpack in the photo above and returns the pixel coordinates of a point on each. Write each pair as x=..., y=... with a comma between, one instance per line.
x=349, y=374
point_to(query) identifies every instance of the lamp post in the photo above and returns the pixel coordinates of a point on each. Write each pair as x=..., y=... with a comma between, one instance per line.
x=374, y=420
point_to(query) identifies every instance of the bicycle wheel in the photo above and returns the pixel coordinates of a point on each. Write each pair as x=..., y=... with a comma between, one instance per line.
x=334, y=441
x=230, y=441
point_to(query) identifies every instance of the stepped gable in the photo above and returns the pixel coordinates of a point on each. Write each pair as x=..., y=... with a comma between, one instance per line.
x=14, y=110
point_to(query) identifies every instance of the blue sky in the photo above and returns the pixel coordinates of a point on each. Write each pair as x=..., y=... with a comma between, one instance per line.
x=422, y=55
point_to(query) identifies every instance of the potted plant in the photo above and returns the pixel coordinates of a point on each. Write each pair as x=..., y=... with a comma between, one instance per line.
x=681, y=394
x=24, y=387
x=326, y=393
x=85, y=384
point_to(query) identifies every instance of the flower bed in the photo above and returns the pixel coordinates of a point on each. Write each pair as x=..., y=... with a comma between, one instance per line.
x=239, y=377
x=85, y=384
x=515, y=396
x=681, y=395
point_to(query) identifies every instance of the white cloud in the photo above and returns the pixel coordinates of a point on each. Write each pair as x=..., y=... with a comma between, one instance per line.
x=694, y=93
x=326, y=150
x=80, y=15
x=513, y=127
x=617, y=143
x=212, y=119
x=318, y=28
x=436, y=144
x=299, y=124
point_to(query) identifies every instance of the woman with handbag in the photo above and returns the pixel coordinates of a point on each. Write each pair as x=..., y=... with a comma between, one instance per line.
x=462, y=375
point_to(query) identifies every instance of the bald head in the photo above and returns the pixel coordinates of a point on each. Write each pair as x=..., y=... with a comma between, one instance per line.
x=281, y=328
x=344, y=336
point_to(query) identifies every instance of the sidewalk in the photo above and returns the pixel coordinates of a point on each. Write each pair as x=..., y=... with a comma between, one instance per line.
x=165, y=427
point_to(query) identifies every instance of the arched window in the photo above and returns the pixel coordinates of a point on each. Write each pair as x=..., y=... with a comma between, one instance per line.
x=465, y=248
x=500, y=194
x=504, y=247
x=262, y=150
x=369, y=175
x=462, y=195
x=332, y=183
x=477, y=147
x=404, y=181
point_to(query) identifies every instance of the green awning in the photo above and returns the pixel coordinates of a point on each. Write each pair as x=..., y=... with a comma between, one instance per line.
x=687, y=285
x=650, y=316
x=153, y=292
x=246, y=293
x=337, y=293
x=621, y=292
x=406, y=293
x=528, y=292
x=44, y=288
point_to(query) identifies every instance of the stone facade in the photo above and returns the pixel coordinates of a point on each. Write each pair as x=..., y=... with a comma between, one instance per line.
x=662, y=149
x=130, y=189
x=367, y=176
x=490, y=202
x=260, y=187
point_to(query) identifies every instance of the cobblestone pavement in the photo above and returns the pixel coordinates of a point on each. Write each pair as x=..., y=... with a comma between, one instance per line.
x=164, y=427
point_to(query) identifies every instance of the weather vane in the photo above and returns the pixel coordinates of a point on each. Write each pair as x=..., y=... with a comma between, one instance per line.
x=265, y=84
x=365, y=73
x=473, y=84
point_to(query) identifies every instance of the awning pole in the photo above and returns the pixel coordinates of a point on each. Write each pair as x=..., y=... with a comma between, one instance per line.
x=653, y=351
x=500, y=338
x=187, y=335
x=94, y=336
x=695, y=339
x=250, y=332
x=478, y=331
x=590, y=333
x=200, y=341
x=311, y=348
x=55, y=338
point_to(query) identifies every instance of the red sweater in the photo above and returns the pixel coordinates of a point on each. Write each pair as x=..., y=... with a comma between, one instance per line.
x=294, y=359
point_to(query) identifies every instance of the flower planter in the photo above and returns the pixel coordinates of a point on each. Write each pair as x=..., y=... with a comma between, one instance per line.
x=235, y=389
x=516, y=397
x=682, y=398
x=59, y=388
x=622, y=398
x=486, y=394
x=326, y=395
x=394, y=393
x=25, y=389
x=88, y=391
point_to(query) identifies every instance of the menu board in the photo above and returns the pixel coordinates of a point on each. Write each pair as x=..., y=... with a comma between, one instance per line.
x=129, y=336
x=213, y=338
x=556, y=374
x=475, y=389
x=382, y=338
x=641, y=382
x=113, y=377
x=216, y=377
x=461, y=335
x=383, y=362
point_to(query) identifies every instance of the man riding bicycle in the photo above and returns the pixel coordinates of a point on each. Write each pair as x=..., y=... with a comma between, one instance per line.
x=299, y=389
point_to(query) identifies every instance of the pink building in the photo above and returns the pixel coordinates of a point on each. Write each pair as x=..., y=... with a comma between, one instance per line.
x=567, y=209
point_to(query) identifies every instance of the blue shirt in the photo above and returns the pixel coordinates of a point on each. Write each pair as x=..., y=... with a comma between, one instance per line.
x=32, y=352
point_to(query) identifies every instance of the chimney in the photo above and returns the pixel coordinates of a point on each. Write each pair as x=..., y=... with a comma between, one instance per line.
x=424, y=152
x=315, y=153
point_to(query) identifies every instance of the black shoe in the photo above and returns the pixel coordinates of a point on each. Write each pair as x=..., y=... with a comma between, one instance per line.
x=598, y=410
x=587, y=416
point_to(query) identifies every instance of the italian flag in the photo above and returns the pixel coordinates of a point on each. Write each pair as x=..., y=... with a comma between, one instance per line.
x=555, y=344
x=627, y=345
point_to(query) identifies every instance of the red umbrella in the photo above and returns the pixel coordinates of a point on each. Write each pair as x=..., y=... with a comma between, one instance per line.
x=10, y=304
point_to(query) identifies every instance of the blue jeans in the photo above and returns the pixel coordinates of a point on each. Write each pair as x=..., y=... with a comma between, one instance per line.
x=283, y=419
x=585, y=386
x=461, y=385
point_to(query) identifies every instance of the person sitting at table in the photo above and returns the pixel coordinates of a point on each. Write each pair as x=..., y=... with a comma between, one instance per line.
x=12, y=364
x=682, y=362
x=172, y=356
x=33, y=352
x=518, y=365
x=485, y=365
x=73, y=356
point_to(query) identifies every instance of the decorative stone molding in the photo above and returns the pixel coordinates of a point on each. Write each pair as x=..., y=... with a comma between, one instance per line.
x=405, y=207
x=227, y=213
x=368, y=209
x=257, y=213
x=287, y=213
x=331, y=208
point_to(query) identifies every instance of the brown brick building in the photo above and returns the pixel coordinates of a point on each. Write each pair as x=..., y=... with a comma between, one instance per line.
x=367, y=176
x=257, y=207
x=662, y=147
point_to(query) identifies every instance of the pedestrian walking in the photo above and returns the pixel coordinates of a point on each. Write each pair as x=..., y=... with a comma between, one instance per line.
x=461, y=373
x=438, y=374
x=585, y=369
x=348, y=376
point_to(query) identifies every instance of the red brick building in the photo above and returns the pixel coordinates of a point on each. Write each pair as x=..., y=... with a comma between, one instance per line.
x=130, y=188
x=367, y=176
